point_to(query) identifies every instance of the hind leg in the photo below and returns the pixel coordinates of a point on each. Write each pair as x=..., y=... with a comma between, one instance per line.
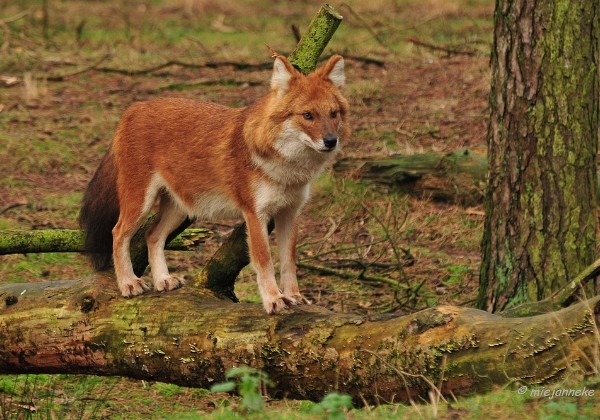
x=129, y=284
x=168, y=218
x=134, y=206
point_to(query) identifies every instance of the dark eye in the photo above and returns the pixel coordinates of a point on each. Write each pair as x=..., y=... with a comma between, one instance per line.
x=334, y=114
x=307, y=116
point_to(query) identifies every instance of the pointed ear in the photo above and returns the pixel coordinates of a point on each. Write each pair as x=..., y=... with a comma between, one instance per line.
x=282, y=74
x=334, y=71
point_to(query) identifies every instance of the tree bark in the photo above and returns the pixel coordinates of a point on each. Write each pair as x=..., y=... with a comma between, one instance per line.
x=540, y=226
x=192, y=337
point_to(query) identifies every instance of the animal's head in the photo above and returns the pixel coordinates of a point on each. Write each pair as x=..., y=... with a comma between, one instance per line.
x=310, y=110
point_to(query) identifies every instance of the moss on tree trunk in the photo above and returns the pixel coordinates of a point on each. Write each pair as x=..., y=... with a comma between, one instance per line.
x=540, y=228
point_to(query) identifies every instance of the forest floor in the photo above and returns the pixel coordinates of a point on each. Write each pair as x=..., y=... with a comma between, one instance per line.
x=418, y=81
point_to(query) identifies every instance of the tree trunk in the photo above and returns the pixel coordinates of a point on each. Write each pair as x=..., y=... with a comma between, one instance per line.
x=192, y=337
x=540, y=227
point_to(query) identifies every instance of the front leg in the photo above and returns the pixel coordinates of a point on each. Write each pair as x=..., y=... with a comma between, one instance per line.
x=260, y=258
x=286, y=231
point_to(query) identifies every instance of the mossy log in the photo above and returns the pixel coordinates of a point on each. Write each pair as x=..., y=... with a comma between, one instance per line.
x=192, y=337
x=456, y=177
x=72, y=240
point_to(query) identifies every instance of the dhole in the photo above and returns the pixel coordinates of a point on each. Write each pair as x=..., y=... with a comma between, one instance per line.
x=203, y=160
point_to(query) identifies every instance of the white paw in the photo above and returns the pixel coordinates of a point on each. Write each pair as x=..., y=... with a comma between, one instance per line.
x=276, y=303
x=297, y=299
x=133, y=287
x=168, y=283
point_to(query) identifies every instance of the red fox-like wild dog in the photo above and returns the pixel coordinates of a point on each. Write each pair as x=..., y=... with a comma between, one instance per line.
x=203, y=160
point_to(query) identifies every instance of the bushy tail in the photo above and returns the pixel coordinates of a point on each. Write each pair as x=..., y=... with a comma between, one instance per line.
x=99, y=213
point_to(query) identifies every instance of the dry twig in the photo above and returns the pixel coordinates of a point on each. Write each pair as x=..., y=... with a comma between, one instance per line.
x=352, y=276
x=447, y=50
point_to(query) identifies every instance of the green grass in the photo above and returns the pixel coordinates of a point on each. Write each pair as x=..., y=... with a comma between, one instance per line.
x=46, y=267
x=68, y=396
x=167, y=390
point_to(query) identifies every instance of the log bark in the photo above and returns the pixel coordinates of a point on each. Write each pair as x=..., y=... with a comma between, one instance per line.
x=192, y=337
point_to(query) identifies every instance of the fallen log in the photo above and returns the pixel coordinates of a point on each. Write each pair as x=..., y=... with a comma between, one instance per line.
x=456, y=177
x=193, y=336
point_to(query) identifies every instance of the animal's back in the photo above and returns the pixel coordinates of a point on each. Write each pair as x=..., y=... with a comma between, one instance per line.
x=193, y=146
x=173, y=125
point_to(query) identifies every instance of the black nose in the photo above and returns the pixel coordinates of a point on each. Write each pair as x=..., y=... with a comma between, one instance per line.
x=330, y=140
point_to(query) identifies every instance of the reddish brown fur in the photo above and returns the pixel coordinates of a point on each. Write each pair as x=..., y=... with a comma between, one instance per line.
x=195, y=154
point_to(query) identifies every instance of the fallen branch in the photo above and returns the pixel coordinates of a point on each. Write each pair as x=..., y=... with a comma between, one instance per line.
x=16, y=17
x=458, y=177
x=237, y=65
x=446, y=49
x=93, y=66
x=367, y=26
x=4, y=25
x=140, y=72
x=366, y=60
x=455, y=177
x=205, y=82
x=353, y=276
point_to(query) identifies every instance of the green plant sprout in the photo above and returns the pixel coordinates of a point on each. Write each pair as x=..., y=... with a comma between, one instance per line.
x=251, y=385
